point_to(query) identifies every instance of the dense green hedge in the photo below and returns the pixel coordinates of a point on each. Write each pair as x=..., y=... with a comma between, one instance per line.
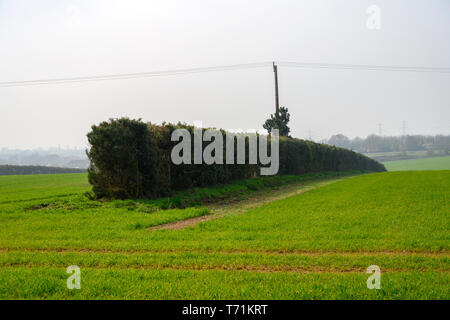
x=123, y=160
x=130, y=159
x=184, y=176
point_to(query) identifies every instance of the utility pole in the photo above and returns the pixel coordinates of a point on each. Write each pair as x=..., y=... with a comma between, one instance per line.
x=277, y=101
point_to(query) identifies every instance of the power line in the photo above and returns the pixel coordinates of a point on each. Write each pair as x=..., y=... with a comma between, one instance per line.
x=364, y=67
x=134, y=75
x=221, y=68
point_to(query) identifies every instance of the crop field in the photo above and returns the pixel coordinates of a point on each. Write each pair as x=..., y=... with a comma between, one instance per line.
x=434, y=163
x=307, y=237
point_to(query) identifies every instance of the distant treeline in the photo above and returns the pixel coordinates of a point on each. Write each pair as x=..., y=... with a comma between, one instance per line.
x=21, y=170
x=374, y=143
x=55, y=157
x=132, y=159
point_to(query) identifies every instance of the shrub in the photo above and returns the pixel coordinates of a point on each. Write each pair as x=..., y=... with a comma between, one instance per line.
x=123, y=159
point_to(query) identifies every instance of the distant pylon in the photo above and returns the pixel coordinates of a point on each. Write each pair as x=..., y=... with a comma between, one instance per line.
x=403, y=144
x=380, y=129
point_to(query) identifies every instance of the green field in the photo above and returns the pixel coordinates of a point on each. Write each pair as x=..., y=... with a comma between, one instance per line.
x=435, y=163
x=276, y=243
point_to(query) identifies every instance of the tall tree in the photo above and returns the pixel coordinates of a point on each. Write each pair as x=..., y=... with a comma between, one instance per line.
x=279, y=120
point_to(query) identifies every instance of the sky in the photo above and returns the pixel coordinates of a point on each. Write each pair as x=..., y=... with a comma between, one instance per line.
x=68, y=38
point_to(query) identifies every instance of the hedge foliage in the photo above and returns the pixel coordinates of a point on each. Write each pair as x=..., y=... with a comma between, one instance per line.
x=123, y=160
x=131, y=159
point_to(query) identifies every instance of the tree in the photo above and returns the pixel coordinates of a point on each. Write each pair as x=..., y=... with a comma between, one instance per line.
x=279, y=120
x=339, y=140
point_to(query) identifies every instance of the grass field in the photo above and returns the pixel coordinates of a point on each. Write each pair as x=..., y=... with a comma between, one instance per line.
x=311, y=245
x=435, y=163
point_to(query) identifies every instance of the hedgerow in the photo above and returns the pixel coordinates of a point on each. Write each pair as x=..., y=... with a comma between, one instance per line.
x=131, y=159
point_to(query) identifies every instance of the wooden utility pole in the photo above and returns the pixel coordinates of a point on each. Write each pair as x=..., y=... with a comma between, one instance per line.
x=277, y=101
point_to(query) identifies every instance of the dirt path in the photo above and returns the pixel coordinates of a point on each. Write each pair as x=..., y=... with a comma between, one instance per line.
x=256, y=200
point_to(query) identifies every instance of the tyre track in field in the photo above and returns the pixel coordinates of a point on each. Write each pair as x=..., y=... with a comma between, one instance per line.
x=238, y=207
x=309, y=253
x=239, y=268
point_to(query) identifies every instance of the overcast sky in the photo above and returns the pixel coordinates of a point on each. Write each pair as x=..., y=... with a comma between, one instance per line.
x=62, y=38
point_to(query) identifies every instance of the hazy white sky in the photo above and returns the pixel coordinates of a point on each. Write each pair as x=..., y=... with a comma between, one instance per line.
x=62, y=38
